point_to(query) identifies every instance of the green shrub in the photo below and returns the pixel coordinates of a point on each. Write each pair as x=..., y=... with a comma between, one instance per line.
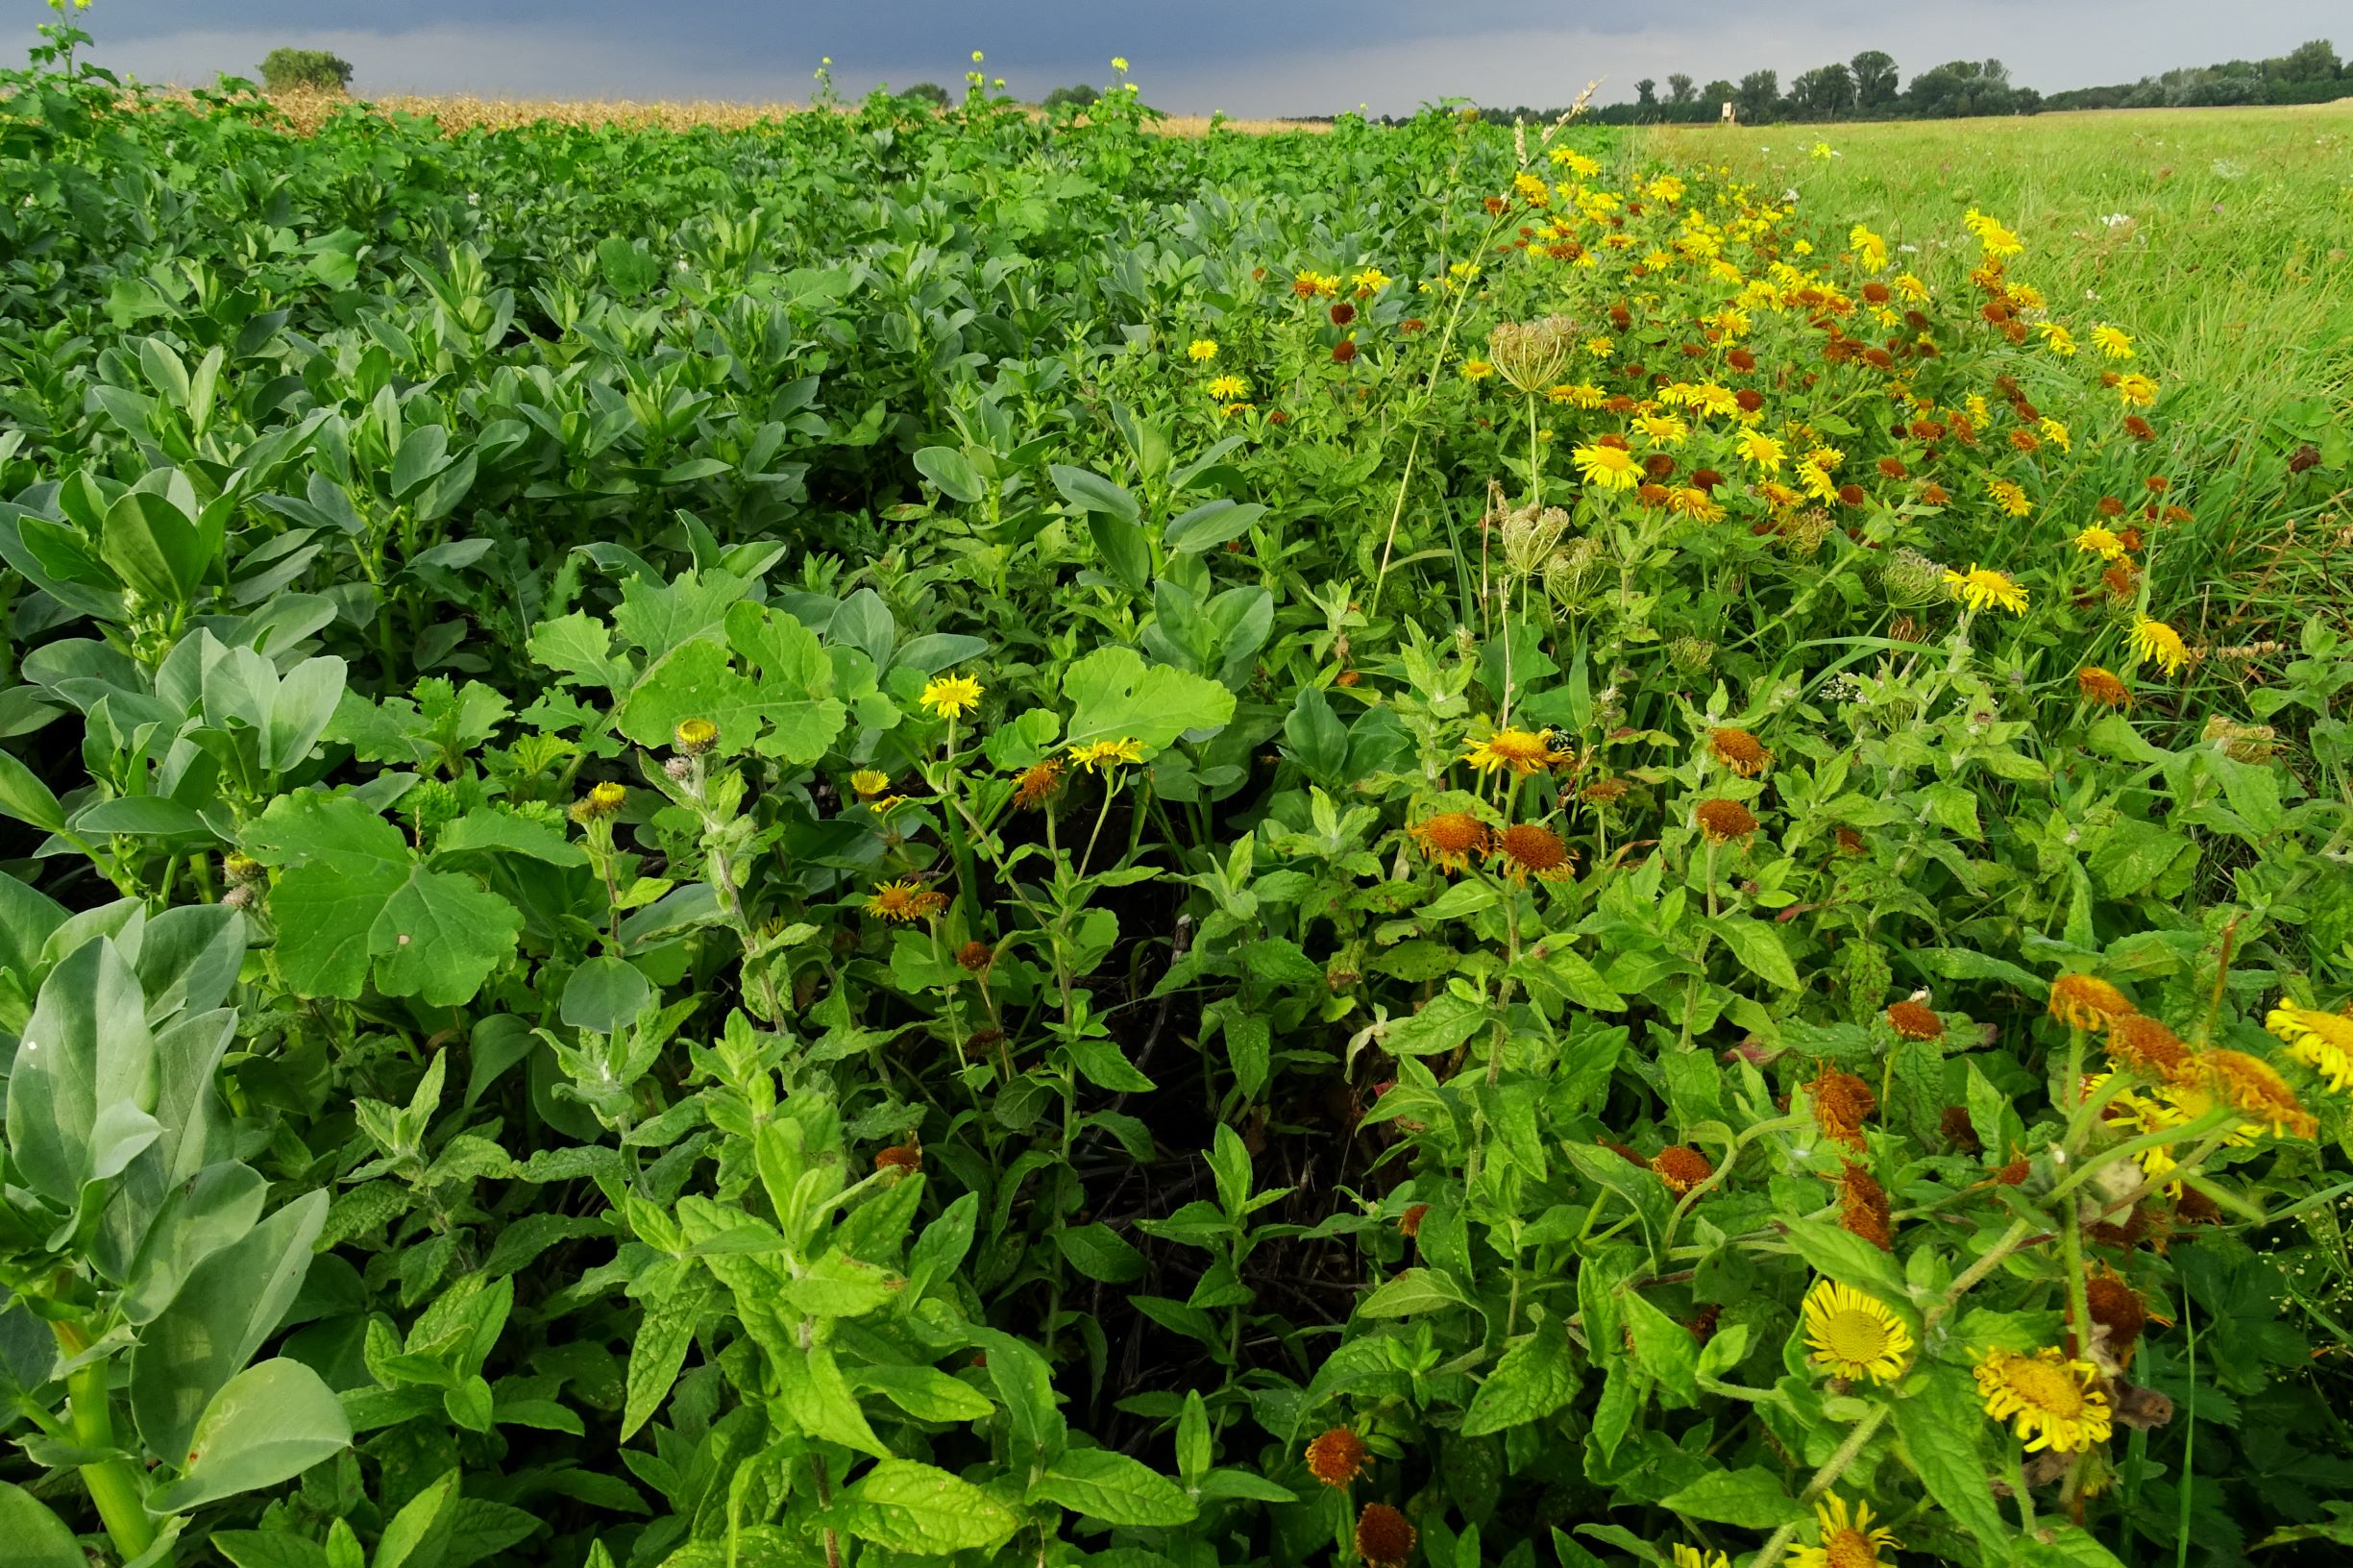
x=306, y=70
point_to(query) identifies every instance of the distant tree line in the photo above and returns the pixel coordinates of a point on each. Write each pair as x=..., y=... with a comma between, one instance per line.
x=1870, y=86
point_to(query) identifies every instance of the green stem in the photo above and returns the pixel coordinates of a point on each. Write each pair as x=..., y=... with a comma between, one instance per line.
x=1824, y=1478
x=113, y=1485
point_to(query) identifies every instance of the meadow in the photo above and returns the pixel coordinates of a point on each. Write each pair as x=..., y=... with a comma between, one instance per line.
x=837, y=839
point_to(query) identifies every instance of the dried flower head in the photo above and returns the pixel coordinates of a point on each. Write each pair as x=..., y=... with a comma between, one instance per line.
x=975, y=956
x=1723, y=820
x=1914, y=1020
x=1040, y=782
x=905, y=1158
x=1739, y=751
x=903, y=901
x=1529, y=355
x=2085, y=1001
x=1959, y=1131
x=2101, y=686
x=2255, y=1090
x=1531, y=849
x=2117, y=1307
x=1384, y=1537
x=2150, y=1048
x=1842, y=1103
x=1682, y=1167
x=1450, y=838
x=1862, y=1207
x=1337, y=1457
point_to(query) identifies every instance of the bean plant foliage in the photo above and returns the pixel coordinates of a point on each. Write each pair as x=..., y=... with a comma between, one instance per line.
x=937, y=834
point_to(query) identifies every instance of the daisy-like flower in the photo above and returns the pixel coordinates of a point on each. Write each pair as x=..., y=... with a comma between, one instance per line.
x=1337, y=1457
x=1682, y=1167
x=868, y=782
x=1992, y=236
x=1040, y=782
x=2112, y=341
x=2136, y=390
x=1691, y=1557
x=1663, y=429
x=2050, y=1401
x=1847, y=1540
x=2153, y=641
x=2151, y=1049
x=2057, y=339
x=2254, y=1089
x=2100, y=542
x=1915, y=1020
x=2322, y=1042
x=2057, y=435
x=2010, y=497
x=1477, y=370
x=1607, y=468
x=2101, y=686
x=1228, y=388
x=950, y=696
x=1449, y=838
x=1100, y=756
x=1759, y=450
x=2085, y=1001
x=695, y=736
x=1523, y=751
x=1201, y=350
x=1371, y=281
x=1854, y=1335
x=1579, y=394
x=1982, y=588
x=903, y=901
x=1531, y=849
x=1739, y=751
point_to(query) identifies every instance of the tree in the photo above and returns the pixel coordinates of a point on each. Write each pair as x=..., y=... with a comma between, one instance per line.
x=1679, y=88
x=1717, y=92
x=313, y=70
x=1759, y=93
x=1079, y=96
x=1961, y=88
x=1824, y=92
x=1877, y=84
x=931, y=93
x=1646, y=92
x=2313, y=61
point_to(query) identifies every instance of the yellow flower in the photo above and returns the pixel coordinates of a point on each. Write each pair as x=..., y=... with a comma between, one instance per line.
x=1821, y=150
x=1607, y=468
x=695, y=736
x=2057, y=339
x=2155, y=641
x=2136, y=390
x=1477, y=370
x=1582, y=395
x=1522, y=750
x=1101, y=756
x=1663, y=429
x=1847, y=1540
x=2322, y=1042
x=2057, y=435
x=1853, y=1335
x=1759, y=450
x=1601, y=348
x=1228, y=388
x=2101, y=542
x=1371, y=281
x=1691, y=1557
x=1910, y=287
x=950, y=696
x=1982, y=588
x=1995, y=239
x=2052, y=1399
x=1575, y=162
x=1119, y=63
x=903, y=901
x=1870, y=249
x=1201, y=350
x=2085, y=1001
x=2111, y=341
x=869, y=782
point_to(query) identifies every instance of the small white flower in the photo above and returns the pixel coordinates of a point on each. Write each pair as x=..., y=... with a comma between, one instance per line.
x=1909, y=250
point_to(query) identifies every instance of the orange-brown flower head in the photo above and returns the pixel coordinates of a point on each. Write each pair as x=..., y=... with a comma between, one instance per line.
x=1682, y=1167
x=1862, y=1207
x=1959, y=1131
x=1410, y=1223
x=1040, y=783
x=1450, y=839
x=2117, y=1307
x=2254, y=1088
x=1842, y=1103
x=2151, y=1049
x=975, y=956
x=2085, y=1001
x=1723, y=820
x=1531, y=849
x=1384, y=1537
x=905, y=1158
x=1849, y=842
x=1739, y=751
x=1337, y=1457
x=2103, y=687
x=1915, y=1020
x=1605, y=792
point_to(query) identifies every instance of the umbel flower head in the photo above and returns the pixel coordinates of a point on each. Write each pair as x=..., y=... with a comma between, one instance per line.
x=2051, y=1400
x=2322, y=1042
x=1337, y=1457
x=1847, y=1540
x=1853, y=1335
x=1530, y=353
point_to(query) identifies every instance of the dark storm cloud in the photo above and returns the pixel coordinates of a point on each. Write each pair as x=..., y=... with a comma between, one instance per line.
x=1249, y=57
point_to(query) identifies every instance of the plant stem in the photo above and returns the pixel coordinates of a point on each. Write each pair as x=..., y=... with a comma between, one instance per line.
x=1824, y=1478
x=113, y=1485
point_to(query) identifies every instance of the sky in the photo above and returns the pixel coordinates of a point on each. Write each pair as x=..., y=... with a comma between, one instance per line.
x=1243, y=57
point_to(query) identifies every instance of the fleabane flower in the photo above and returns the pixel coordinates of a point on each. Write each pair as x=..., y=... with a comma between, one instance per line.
x=1201, y=350
x=2322, y=1042
x=950, y=696
x=1982, y=588
x=2154, y=642
x=1853, y=1334
x=2051, y=1400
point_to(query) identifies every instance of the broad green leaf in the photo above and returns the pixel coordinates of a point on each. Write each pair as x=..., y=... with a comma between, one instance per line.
x=1941, y=1425
x=1090, y=492
x=1104, y=1484
x=86, y=1050
x=1445, y=1021
x=1751, y=1497
x=901, y=1505
x=1118, y=697
x=659, y=1347
x=1414, y=1291
x=1847, y=1259
x=1100, y=1253
x=351, y=896
x=1664, y=1347
x=1528, y=1383
x=951, y=470
x=157, y=549
x=819, y=1399
x=233, y=1299
x=267, y=1425
x=25, y=798
x=419, y=1535
x=923, y=1393
x=268, y=1549
x=1758, y=948
x=35, y=1538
